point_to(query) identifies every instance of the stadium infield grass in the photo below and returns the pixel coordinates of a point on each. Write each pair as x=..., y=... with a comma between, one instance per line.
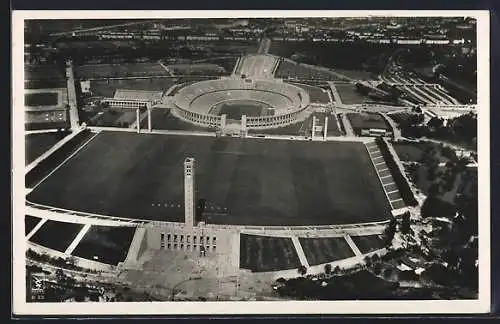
x=243, y=181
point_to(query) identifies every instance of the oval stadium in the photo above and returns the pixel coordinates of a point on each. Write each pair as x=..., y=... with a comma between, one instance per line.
x=265, y=103
x=266, y=202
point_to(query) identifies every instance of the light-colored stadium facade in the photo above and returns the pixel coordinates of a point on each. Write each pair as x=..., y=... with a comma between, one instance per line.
x=195, y=103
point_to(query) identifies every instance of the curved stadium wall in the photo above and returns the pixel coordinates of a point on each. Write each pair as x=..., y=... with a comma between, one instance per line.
x=200, y=114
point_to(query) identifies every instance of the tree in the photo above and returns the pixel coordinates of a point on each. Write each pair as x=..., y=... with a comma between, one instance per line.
x=328, y=268
x=435, y=123
x=405, y=223
x=368, y=260
x=302, y=270
x=389, y=232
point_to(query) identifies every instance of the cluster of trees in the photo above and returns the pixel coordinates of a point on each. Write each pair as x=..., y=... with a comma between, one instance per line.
x=66, y=263
x=351, y=286
x=462, y=129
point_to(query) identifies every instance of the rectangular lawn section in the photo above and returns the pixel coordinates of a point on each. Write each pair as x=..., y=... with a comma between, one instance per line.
x=41, y=99
x=163, y=119
x=368, y=243
x=325, y=249
x=242, y=181
x=316, y=94
x=37, y=144
x=366, y=121
x=264, y=253
x=109, y=244
x=119, y=70
x=56, y=235
x=29, y=223
x=349, y=95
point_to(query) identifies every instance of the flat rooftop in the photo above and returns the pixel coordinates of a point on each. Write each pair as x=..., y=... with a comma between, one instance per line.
x=242, y=181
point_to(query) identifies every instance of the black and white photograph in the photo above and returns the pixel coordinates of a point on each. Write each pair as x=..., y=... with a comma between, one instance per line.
x=250, y=162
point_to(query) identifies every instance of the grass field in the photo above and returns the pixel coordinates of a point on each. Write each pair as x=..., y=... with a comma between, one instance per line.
x=107, y=89
x=114, y=117
x=196, y=69
x=37, y=144
x=323, y=250
x=56, y=235
x=366, y=121
x=355, y=74
x=41, y=99
x=368, y=243
x=316, y=94
x=95, y=71
x=244, y=181
x=264, y=253
x=236, y=109
x=349, y=95
x=288, y=69
x=163, y=119
x=43, y=72
x=106, y=244
x=29, y=223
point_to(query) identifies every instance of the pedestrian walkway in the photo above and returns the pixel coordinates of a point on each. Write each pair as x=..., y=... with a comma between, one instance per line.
x=300, y=252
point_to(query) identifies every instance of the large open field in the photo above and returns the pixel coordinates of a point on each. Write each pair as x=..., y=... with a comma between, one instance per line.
x=107, y=89
x=287, y=69
x=316, y=94
x=95, y=71
x=243, y=181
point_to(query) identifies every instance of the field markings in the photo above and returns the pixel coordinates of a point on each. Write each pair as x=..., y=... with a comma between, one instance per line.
x=36, y=228
x=77, y=239
x=65, y=160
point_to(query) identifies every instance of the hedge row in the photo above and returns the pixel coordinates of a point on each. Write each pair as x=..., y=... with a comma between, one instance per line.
x=399, y=179
x=47, y=165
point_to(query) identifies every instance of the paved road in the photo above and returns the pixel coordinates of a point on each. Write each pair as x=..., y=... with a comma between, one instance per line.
x=265, y=44
x=347, y=126
x=73, y=108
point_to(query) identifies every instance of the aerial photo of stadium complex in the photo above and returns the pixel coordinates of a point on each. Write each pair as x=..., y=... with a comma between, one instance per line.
x=222, y=159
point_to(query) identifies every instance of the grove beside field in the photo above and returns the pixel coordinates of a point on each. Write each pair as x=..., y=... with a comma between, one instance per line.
x=243, y=181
